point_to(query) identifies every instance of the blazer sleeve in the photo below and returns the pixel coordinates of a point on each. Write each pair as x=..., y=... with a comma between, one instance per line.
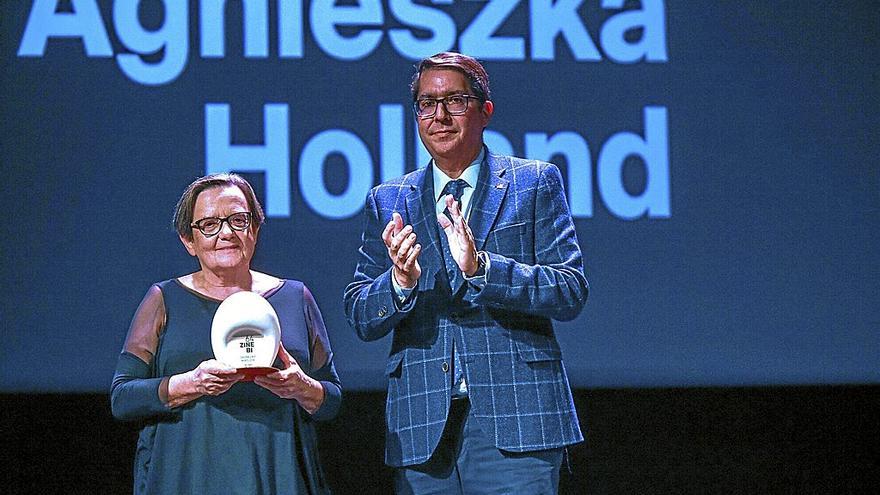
x=370, y=303
x=555, y=286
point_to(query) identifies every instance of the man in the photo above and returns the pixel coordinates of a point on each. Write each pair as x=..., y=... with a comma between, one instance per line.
x=466, y=262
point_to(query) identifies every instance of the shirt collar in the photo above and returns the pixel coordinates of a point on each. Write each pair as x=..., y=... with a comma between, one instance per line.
x=470, y=175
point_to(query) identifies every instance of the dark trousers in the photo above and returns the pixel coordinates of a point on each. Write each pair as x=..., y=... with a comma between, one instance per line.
x=466, y=462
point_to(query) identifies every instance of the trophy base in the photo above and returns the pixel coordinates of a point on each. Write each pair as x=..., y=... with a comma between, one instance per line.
x=250, y=373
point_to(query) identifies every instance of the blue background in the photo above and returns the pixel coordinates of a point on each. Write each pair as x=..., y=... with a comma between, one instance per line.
x=766, y=272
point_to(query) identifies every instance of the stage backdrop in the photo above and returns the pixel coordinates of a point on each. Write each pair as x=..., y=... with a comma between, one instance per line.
x=720, y=160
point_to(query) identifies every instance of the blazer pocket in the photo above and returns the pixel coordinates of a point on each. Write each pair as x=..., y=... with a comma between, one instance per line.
x=510, y=240
x=392, y=366
x=509, y=230
x=533, y=352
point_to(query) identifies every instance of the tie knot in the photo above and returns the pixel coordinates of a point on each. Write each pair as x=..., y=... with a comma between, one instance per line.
x=455, y=188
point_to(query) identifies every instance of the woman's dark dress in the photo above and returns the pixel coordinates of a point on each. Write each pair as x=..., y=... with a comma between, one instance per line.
x=246, y=440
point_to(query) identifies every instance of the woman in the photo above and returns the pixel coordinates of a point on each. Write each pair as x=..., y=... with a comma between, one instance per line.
x=205, y=431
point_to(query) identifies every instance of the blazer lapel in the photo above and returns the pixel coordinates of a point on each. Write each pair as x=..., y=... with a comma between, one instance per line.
x=487, y=199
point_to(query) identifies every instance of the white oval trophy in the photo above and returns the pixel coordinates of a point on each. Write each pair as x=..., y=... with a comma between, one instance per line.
x=245, y=334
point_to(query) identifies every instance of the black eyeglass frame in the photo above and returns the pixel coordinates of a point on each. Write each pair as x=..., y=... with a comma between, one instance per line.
x=197, y=223
x=443, y=101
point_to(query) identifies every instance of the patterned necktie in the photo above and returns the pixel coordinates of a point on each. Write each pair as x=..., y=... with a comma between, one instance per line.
x=456, y=189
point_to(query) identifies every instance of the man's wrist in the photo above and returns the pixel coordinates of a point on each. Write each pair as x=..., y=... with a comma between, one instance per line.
x=482, y=261
x=400, y=284
x=401, y=294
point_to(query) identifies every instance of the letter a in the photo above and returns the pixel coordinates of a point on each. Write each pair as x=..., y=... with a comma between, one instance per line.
x=85, y=23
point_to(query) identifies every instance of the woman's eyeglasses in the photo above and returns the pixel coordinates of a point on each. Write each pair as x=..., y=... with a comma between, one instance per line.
x=211, y=226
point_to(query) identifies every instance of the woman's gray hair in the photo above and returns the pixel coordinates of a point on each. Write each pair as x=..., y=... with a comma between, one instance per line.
x=183, y=212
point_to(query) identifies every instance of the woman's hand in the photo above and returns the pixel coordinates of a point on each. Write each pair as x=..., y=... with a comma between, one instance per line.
x=213, y=377
x=210, y=377
x=293, y=383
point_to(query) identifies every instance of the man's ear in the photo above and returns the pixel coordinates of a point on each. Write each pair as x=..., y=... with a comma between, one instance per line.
x=188, y=244
x=487, y=111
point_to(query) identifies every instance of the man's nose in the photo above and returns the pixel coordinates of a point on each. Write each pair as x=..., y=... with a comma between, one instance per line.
x=441, y=107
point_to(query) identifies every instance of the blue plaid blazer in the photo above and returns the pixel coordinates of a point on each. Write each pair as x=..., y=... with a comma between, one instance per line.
x=517, y=385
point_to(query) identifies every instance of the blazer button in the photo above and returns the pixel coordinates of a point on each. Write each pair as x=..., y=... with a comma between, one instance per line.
x=383, y=311
x=445, y=367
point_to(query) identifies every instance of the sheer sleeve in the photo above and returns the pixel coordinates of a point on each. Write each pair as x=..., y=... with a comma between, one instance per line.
x=321, y=357
x=135, y=392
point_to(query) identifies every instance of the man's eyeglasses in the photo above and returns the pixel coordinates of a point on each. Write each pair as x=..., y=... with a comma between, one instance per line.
x=211, y=226
x=453, y=104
